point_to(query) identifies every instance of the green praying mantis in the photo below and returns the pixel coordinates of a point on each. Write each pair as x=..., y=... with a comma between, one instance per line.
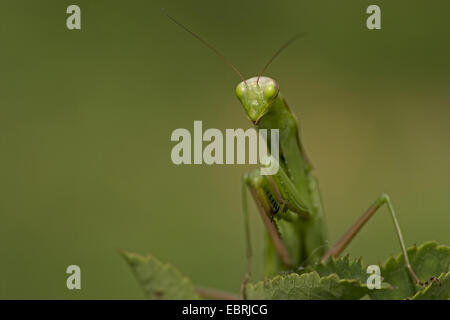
x=289, y=201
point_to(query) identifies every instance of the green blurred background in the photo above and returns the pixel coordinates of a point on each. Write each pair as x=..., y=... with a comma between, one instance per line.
x=86, y=118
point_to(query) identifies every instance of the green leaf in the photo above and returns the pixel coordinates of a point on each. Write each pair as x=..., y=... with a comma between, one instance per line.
x=307, y=286
x=436, y=291
x=347, y=269
x=340, y=278
x=160, y=281
x=343, y=267
x=428, y=260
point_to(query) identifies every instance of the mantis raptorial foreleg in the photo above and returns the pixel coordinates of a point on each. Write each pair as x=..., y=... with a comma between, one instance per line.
x=276, y=198
x=268, y=207
x=351, y=233
x=248, y=247
x=261, y=202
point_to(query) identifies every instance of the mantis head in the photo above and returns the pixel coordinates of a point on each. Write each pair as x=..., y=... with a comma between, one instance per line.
x=257, y=94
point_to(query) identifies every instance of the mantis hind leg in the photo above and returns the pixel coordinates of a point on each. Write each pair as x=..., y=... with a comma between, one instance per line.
x=351, y=233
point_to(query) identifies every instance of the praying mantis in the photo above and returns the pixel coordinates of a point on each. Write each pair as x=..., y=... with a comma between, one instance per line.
x=289, y=201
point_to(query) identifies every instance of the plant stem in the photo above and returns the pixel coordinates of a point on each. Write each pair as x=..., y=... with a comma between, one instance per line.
x=215, y=294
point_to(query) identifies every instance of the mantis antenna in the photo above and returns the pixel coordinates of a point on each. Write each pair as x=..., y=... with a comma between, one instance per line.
x=281, y=49
x=209, y=46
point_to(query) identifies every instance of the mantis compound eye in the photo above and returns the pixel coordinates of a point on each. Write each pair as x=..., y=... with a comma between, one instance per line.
x=240, y=89
x=270, y=91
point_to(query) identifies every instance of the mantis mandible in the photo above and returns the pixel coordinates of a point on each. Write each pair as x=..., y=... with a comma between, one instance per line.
x=289, y=201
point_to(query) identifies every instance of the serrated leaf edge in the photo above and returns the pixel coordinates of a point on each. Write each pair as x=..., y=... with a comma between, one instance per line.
x=133, y=258
x=268, y=282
